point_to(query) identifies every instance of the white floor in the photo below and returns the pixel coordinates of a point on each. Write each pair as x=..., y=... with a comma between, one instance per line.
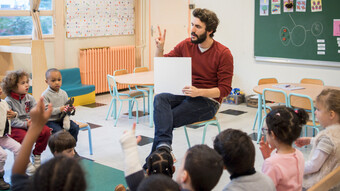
x=105, y=139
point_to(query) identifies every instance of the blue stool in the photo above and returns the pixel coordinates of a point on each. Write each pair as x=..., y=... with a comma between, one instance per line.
x=83, y=126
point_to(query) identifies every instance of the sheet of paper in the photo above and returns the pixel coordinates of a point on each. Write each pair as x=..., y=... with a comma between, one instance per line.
x=276, y=7
x=172, y=74
x=336, y=27
x=288, y=87
x=264, y=7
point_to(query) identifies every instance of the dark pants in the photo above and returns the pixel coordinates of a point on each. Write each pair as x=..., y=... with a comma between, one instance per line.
x=171, y=111
x=18, y=134
x=58, y=126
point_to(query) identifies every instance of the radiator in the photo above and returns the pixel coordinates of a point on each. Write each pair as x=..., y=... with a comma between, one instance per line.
x=96, y=63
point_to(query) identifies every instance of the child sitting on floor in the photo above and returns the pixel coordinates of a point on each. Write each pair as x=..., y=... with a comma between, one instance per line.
x=59, y=173
x=15, y=85
x=58, y=98
x=325, y=154
x=62, y=143
x=285, y=166
x=238, y=153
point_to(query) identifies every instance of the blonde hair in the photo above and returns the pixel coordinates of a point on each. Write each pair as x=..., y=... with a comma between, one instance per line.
x=330, y=99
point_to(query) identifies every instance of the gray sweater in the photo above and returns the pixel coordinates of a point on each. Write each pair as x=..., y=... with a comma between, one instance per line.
x=255, y=182
x=22, y=106
x=57, y=99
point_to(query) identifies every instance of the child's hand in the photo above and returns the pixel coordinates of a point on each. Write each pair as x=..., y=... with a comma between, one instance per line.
x=29, y=122
x=302, y=141
x=11, y=114
x=39, y=116
x=265, y=148
x=128, y=139
x=62, y=108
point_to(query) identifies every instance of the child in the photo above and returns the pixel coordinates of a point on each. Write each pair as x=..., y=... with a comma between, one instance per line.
x=285, y=167
x=62, y=143
x=15, y=85
x=60, y=173
x=238, y=153
x=158, y=182
x=325, y=154
x=58, y=98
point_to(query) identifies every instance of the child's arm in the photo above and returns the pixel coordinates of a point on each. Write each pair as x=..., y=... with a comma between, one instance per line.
x=55, y=110
x=265, y=148
x=302, y=141
x=39, y=118
x=11, y=114
x=16, y=122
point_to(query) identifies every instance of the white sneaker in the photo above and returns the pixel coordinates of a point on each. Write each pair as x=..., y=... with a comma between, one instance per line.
x=30, y=169
x=36, y=160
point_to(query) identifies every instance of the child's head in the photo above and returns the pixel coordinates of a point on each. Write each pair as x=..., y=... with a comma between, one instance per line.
x=158, y=182
x=16, y=81
x=328, y=107
x=160, y=161
x=201, y=168
x=285, y=124
x=236, y=149
x=53, y=79
x=59, y=173
x=62, y=143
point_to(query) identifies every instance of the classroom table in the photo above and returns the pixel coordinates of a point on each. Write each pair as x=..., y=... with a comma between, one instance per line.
x=310, y=90
x=140, y=79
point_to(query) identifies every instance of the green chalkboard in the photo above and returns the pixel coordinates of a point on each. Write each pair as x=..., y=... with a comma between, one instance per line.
x=297, y=35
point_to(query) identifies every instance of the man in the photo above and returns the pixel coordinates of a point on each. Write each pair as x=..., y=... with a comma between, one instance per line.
x=212, y=71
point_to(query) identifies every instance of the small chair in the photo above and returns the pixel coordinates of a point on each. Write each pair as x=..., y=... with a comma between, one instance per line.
x=304, y=102
x=332, y=179
x=312, y=81
x=83, y=126
x=212, y=121
x=129, y=96
x=279, y=97
x=140, y=88
x=261, y=82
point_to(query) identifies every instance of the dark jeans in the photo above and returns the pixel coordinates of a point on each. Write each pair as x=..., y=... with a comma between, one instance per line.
x=171, y=111
x=58, y=126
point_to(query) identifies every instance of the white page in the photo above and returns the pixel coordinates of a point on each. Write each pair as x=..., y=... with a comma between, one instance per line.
x=172, y=74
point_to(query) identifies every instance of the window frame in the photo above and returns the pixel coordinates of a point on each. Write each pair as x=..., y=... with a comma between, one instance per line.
x=21, y=13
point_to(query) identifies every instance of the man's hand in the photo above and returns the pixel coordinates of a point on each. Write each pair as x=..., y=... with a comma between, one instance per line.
x=265, y=148
x=191, y=91
x=11, y=114
x=160, y=40
x=302, y=141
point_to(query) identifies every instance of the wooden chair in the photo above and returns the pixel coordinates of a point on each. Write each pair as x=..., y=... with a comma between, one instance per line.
x=278, y=97
x=304, y=102
x=329, y=181
x=85, y=126
x=212, y=121
x=312, y=81
x=261, y=82
x=129, y=96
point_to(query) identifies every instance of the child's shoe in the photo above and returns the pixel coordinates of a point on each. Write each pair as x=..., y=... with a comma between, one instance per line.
x=36, y=160
x=30, y=169
x=3, y=185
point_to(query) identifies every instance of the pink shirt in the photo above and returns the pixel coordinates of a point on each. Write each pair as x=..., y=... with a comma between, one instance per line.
x=286, y=170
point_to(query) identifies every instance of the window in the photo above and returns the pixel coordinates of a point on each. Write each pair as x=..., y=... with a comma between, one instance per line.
x=16, y=21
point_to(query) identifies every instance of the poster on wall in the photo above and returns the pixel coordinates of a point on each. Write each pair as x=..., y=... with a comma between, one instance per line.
x=288, y=6
x=316, y=5
x=264, y=6
x=300, y=5
x=90, y=18
x=276, y=7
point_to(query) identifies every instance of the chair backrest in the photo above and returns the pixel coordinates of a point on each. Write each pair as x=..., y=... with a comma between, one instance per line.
x=140, y=69
x=273, y=95
x=304, y=102
x=120, y=72
x=112, y=85
x=267, y=81
x=332, y=179
x=311, y=81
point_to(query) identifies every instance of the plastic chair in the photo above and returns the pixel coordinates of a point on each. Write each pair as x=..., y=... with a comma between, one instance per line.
x=146, y=91
x=304, y=102
x=83, y=126
x=261, y=82
x=129, y=96
x=326, y=183
x=311, y=81
x=279, y=97
x=212, y=121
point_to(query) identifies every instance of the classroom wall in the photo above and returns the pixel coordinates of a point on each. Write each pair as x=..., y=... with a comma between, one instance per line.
x=236, y=31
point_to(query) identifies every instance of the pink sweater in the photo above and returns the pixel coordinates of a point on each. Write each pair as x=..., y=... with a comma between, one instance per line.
x=286, y=170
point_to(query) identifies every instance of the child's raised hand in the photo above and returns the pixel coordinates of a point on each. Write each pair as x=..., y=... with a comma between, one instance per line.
x=302, y=141
x=39, y=116
x=11, y=114
x=128, y=139
x=265, y=148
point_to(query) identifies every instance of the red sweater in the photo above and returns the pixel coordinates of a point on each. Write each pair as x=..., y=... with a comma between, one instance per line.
x=210, y=69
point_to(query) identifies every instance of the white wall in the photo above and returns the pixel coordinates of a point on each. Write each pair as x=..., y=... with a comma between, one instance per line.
x=236, y=31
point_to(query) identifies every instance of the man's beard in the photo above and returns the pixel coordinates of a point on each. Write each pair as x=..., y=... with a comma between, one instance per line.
x=200, y=38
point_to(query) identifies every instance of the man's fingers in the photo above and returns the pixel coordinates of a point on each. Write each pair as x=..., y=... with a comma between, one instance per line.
x=159, y=31
x=164, y=34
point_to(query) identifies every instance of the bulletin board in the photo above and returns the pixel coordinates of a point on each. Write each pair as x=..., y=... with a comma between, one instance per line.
x=91, y=18
x=310, y=30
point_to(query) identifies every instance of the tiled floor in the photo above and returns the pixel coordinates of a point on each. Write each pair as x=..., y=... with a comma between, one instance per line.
x=105, y=139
